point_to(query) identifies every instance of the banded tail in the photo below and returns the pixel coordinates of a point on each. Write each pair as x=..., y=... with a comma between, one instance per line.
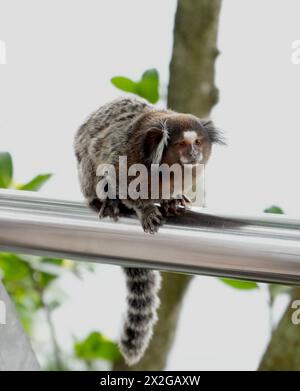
x=142, y=304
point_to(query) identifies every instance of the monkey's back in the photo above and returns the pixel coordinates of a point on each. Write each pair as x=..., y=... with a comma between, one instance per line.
x=105, y=133
x=103, y=137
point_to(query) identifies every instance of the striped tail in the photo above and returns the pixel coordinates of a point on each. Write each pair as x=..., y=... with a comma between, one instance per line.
x=142, y=304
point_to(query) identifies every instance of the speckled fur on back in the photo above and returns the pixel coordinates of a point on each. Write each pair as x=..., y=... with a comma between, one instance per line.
x=102, y=139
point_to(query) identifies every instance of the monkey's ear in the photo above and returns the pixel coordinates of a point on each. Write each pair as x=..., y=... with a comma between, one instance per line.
x=215, y=135
x=154, y=144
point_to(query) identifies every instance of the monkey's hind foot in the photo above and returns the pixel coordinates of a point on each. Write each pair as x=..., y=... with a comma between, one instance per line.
x=151, y=219
x=175, y=206
x=109, y=208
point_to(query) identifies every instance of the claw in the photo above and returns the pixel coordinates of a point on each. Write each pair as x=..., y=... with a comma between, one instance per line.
x=186, y=202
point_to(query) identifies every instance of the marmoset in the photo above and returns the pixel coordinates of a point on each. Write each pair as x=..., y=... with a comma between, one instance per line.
x=149, y=136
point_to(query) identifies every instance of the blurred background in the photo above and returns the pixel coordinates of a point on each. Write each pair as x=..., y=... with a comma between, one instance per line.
x=61, y=57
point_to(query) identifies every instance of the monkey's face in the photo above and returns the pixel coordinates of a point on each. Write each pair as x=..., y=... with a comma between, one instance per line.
x=189, y=148
x=188, y=142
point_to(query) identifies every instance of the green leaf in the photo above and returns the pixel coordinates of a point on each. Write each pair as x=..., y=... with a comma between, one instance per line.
x=274, y=209
x=43, y=279
x=45, y=270
x=13, y=267
x=52, y=261
x=36, y=183
x=238, y=284
x=124, y=84
x=6, y=169
x=97, y=347
x=148, y=86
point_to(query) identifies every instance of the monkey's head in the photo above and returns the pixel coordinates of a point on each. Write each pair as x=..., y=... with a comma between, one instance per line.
x=182, y=139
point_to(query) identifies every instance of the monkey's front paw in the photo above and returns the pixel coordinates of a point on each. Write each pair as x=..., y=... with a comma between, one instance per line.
x=110, y=208
x=175, y=206
x=151, y=219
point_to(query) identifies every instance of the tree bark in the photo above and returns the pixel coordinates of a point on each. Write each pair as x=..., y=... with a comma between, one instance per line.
x=191, y=89
x=283, y=350
x=192, y=69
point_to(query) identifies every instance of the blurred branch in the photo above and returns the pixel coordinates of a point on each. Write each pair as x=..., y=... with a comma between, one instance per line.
x=283, y=350
x=191, y=89
x=56, y=351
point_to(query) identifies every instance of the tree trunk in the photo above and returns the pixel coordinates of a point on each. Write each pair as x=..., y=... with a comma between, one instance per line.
x=283, y=351
x=192, y=69
x=191, y=89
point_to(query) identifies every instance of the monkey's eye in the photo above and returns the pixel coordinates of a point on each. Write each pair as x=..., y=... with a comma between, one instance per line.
x=198, y=141
x=181, y=144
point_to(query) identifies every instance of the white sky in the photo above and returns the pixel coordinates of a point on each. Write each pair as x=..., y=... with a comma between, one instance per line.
x=60, y=57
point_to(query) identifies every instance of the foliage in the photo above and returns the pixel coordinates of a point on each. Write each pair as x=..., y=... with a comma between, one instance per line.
x=238, y=284
x=147, y=87
x=6, y=176
x=6, y=169
x=274, y=209
x=97, y=347
x=26, y=281
x=36, y=183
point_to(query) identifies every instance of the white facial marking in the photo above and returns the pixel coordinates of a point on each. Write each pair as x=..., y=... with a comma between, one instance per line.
x=190, y=136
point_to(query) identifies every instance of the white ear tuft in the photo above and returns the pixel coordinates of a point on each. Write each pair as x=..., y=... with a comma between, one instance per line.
x=159, y=150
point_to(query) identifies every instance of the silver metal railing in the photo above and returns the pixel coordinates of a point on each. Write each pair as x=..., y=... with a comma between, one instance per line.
x=262, y=248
